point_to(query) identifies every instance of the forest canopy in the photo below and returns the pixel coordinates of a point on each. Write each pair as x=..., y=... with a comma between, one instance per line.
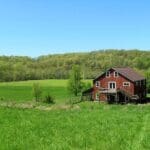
x=58, y=66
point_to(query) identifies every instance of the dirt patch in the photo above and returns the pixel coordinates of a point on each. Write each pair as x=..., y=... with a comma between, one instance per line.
x=34, y=105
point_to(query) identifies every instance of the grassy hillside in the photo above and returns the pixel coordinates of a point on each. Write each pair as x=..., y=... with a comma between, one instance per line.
x=92, y=126
x=22, y=91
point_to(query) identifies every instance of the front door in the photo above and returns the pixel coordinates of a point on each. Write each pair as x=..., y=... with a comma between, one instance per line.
x=112, y=85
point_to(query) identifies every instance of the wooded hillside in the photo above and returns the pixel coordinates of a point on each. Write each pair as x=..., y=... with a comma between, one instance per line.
x=14, y=68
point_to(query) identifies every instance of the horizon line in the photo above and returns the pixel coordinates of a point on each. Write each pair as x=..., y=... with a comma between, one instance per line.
x=76, y=52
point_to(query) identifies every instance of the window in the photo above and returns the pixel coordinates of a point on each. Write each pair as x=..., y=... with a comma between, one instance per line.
x=97, y=83
x=97, y=96
x=112, y=85
x=137, y=83
x=126, y=83
x=115, y=74
x=108, y=74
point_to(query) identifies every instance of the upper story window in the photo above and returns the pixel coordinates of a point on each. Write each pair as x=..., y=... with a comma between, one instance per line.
x=115, y=74
x=108, y=74
x=97, y=83
x=126, y=83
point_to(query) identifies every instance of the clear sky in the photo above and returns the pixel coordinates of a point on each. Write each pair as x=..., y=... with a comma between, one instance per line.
x=39, y=27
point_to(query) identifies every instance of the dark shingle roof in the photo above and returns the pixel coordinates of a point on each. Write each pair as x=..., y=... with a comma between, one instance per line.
x=129, y=73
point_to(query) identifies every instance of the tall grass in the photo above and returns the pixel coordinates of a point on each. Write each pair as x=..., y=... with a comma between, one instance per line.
x=93, y=126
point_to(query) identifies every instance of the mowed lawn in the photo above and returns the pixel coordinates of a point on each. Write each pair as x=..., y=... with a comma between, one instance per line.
x=93, y=126
x=22, y=91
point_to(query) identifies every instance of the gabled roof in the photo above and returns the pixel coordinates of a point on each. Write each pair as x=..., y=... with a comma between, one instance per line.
x=127, y=73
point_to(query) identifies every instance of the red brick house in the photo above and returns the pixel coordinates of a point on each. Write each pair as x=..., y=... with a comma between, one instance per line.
x=118, y=85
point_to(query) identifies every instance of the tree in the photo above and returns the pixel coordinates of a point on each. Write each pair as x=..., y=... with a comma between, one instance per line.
x=37, y=91
x=75, y=84
x=148, y=81
x=86, y=86
x=17, y=68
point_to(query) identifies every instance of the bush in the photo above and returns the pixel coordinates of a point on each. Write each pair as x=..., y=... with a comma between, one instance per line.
x=2, y=98
x=49, y=99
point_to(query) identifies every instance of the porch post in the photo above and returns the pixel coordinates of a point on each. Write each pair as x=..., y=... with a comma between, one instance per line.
x=116, y=97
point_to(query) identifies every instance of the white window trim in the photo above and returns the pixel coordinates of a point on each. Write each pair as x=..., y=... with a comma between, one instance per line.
x=112, y=82
x=107, y=75
x=98, y=84
x=115, y=74
x=126, y=83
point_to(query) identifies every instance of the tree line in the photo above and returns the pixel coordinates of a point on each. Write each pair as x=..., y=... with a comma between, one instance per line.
x=58, y=66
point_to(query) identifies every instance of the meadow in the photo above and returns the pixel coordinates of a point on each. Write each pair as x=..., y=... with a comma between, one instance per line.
x=92, y=126
x=21, y=91
x=88, y=126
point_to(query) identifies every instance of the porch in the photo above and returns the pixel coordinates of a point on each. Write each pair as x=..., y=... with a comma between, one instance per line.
x=118, y=95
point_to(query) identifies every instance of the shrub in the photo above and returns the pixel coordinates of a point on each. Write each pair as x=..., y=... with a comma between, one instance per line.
x=49, y=99
x=2, y=98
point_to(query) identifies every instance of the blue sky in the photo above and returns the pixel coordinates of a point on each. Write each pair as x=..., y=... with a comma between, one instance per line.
x=40, y=27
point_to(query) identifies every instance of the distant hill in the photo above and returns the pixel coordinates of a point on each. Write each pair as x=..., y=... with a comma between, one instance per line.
x=15, y=68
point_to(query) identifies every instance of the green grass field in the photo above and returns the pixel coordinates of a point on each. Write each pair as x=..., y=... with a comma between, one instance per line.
x=93, y=126
x=90, y=126
x=22, y=91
